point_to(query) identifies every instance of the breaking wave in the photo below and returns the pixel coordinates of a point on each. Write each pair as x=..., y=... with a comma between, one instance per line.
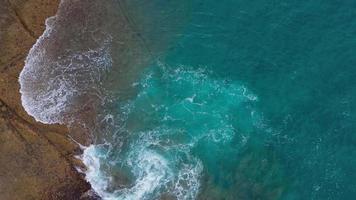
x=60, y=71
x=169, y=133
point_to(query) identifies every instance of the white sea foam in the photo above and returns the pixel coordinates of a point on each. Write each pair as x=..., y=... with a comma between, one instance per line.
x=150, y=169
x=188, y=180
x=57, y=74
x=49, y=88
x=152, y=172
x=94, y=174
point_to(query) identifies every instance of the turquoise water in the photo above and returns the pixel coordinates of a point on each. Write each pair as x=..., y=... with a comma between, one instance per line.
x=252, y=100
x=210, y=100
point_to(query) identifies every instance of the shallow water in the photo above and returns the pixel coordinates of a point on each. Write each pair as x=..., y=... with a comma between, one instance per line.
x=212, y=100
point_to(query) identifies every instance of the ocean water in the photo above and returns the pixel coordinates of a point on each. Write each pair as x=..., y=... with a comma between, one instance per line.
x=203, y=99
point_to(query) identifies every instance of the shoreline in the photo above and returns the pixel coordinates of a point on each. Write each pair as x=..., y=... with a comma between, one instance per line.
x=38, y=40
x=38, y=161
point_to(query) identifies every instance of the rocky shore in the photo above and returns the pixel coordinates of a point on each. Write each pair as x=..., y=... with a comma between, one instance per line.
x=36, y=160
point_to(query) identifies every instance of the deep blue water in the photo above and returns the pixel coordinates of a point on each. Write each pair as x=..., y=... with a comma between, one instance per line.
x=228, y=100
